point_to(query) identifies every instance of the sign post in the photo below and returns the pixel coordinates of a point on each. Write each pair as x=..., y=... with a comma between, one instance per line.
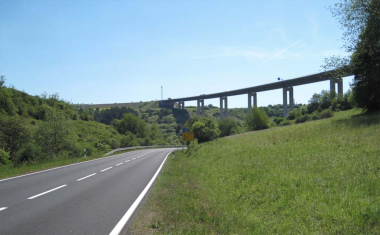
x=188, y=136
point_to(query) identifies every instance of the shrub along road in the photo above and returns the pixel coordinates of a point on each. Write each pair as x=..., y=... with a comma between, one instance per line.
x=86, y=198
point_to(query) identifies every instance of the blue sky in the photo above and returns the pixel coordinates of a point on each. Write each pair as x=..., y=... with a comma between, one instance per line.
x=98, y=51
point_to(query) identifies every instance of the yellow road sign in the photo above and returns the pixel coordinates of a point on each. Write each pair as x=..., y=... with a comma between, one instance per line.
x=188, y=136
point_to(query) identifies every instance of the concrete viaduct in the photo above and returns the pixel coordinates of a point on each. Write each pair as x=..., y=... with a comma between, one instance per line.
x=286, y=86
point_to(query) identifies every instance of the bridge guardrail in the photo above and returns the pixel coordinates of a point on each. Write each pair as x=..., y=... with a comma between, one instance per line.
x=143, y=147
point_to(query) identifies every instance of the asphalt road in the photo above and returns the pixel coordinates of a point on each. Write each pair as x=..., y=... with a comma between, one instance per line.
x=87, y=198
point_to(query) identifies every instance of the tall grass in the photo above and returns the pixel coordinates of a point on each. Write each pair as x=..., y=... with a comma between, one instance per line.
x=320, y=177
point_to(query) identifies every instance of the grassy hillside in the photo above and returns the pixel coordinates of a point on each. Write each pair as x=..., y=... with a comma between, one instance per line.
x=38, y=132
x=320, y=177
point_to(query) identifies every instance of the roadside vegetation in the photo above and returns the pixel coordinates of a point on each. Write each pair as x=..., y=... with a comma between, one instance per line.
x=44, y=129
x=40, y=132
x=317, y=177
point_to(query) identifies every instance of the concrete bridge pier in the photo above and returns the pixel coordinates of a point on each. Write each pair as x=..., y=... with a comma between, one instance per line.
x=181, y=104
x=340, y=85
x=250, y=96
x=285, y=100
x=223, y=107
x=200, y=107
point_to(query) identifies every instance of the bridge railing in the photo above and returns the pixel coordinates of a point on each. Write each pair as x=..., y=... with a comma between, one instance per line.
x=145, y=147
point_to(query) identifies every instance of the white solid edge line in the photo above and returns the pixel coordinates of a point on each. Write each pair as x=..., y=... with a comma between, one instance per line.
x=86, y=177
x=117, y=229
x=51, y=190
x=3, y=208
x=119, y=164
x=106, y=169
x=37, y=172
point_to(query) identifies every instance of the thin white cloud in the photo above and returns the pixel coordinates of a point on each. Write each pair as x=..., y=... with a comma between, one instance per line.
x=280, y=52
x=315, y=27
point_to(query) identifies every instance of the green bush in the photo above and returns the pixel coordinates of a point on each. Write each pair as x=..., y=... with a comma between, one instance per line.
x=113, y=143
x=335, y=105
x=28, y=153
x=205, y=131
x=257, y=120
x=131, y=123
x=55, y=134
x=128, y=140
x=285, y=123
x=204, y=128
x=302, y=119
x=100, y=146
x=4, y=157
x=13, y=133
x=293, y=114
x=327, y=113
x=227, y=126
x=278, y=120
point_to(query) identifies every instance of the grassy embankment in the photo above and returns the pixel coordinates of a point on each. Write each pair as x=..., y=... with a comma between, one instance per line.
x=11, y=171
x=320, y=177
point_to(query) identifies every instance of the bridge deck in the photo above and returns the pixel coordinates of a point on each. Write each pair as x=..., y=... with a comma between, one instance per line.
x=318, y=77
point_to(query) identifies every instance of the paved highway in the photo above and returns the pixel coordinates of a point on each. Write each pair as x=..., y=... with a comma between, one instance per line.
x=86, y=198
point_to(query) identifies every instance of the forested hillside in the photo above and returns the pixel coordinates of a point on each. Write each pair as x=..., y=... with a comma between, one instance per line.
x=43, y=128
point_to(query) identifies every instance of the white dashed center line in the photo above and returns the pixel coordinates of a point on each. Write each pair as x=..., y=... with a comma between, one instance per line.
x=51, y=190
x=133, y=158
x=106, y=169
x=86, y=177
x=127, y=161
x=3, y=208
x=119, y=164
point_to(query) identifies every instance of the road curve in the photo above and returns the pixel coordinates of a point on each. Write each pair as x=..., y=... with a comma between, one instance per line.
x=86, y=198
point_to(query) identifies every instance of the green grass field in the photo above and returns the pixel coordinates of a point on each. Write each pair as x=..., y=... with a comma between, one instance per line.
x=320, y=177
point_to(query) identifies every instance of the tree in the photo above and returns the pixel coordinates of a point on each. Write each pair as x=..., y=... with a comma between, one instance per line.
x=361, y=21
x=257, y=120
x=314, y=103
x=227, y=126
x=204, y=128
x=155, y=134
x=326, y=99
x=13, y=133
x=293, y=114
x=2, y=81
x=178, y=129
x=131, y=123
x=55, y=133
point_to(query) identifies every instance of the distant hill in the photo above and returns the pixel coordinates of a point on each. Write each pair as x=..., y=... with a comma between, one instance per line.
x=135, y=105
